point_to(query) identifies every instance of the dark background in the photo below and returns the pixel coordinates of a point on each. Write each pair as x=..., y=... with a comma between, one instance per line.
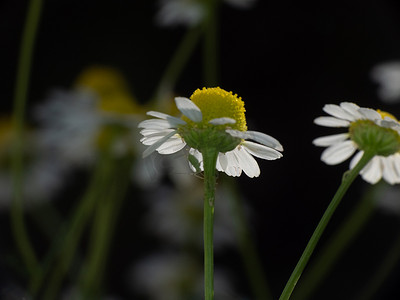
x=286, y=59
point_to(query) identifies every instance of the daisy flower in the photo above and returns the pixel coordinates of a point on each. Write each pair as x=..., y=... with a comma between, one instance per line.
x=212, y=118
x=368, y=130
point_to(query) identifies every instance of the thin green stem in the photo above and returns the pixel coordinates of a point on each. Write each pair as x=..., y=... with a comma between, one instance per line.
x=347, y=180
x=65, y=250
x=210, y=49
x=21, y=90
x=332, y=251
x=107, y=210
x=209, y=161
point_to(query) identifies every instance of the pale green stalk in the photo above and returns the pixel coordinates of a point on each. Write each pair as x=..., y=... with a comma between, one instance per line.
x=107, y=211
x=348, y=178
x=66, y=248
x=209, y=162
x=334, y=248
x=21, y=90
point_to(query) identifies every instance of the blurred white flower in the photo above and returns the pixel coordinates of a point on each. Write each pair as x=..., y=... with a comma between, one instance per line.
x=189, y=12
x=176, y=12
x=387, y=76
x=42, y=175
x=387, y=198
x=69, y=126
x=242, y=4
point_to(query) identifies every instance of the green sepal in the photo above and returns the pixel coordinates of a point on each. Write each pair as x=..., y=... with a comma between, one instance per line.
x=374, y=138
x=205, y=138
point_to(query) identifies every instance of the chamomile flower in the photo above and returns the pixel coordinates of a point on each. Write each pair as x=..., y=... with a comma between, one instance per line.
x=368, y=130
x=212, y=118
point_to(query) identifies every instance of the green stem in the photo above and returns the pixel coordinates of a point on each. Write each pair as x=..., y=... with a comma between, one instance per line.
x=348, y=178
x=106, y=214
x=209, y=161
x=176, y=64
x=335, y=247
x=65, y=250
x=210, y=49
x=21, y=89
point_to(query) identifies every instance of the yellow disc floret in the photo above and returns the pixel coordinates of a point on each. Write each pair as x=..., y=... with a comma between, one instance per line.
x=218, y=103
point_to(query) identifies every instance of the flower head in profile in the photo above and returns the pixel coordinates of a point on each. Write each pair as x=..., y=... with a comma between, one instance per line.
x=369, y=130
x=212, y=118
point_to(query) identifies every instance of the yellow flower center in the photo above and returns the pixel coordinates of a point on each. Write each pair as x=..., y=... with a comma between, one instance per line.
x=386, y=114
x=112, y=89
x=218, y=103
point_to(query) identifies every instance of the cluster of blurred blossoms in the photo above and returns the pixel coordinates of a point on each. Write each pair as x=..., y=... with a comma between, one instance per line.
x=70, y=129
x=42, y=176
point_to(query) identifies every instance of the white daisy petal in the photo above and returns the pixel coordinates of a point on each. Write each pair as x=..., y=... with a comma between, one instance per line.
x=331, y=122
x=173, y=120
x=197, y=154
x=222, y=121
x=218, y=165
x=172, y=145
x=229, y=163
x=259, y=137
x=246, y=162
x=261, y=151
x=370, y=114
x=338, y=112
x=396, y=162
x=372, y=172
x=329, y=140
x=351, y=108
x=152, y=138
x=189, y=109
x=155, y=124
x=147, y=132
x=356, y=159
x=389, y=172
x=157, y=144
x=338, y=153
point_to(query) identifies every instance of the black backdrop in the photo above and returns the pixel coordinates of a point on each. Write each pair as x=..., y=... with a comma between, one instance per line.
x=285, y=58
